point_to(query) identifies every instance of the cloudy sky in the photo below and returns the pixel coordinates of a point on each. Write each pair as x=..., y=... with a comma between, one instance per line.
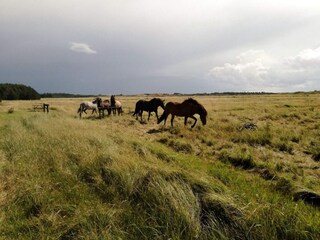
x=160, y=46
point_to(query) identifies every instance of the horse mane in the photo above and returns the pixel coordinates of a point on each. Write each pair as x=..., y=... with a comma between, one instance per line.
x=195, y=102
x=191, y=101
x=97, y=101
x=155, y=100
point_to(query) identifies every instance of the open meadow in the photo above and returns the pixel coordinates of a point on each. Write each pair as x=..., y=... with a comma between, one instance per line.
x=62, y=177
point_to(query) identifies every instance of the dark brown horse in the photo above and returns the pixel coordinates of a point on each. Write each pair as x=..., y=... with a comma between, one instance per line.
x=185, y=109
x=148, y=106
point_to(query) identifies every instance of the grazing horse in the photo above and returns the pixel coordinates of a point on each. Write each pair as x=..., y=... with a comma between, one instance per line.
x=149, y=106
x=84, y=106
x=104, y=105
x=115, y=105
x=185, y=109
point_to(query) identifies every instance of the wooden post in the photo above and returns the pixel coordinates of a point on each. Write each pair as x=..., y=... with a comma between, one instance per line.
x=46, y=107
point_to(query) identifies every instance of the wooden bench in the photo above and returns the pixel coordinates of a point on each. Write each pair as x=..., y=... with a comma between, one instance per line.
x=42, y=106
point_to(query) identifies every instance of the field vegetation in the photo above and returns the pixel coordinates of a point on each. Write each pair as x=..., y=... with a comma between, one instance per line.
x=62, y=177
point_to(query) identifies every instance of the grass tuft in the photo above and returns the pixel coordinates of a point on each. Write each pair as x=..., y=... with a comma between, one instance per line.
x=239, y=158
x=180, y=146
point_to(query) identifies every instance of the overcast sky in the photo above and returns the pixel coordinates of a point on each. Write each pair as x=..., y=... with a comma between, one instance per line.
x=160, y=46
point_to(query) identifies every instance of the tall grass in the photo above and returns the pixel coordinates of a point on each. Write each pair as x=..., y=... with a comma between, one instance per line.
x=115, y=178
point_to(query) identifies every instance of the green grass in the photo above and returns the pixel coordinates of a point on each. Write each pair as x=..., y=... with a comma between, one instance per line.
x=116, y=178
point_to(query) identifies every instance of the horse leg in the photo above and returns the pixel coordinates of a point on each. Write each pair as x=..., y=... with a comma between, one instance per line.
x=195, y=121
x=172, y=120
x=136, y=112
x=149, y=115
x=79, y=111
x=185, y=120
x=157, y=114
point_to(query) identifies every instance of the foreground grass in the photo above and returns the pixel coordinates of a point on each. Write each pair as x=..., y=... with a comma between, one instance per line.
x=65, y=178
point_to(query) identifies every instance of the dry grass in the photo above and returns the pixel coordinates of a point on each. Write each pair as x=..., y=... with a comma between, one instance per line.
x=116, y=177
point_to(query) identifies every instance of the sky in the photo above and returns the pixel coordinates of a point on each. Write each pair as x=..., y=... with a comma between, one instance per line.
x=160, y=46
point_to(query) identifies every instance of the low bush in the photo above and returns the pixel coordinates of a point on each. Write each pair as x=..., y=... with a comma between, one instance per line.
x=10, y=110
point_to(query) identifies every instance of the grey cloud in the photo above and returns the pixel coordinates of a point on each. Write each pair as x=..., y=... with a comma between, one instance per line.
x=154, y=46
x=300, y=72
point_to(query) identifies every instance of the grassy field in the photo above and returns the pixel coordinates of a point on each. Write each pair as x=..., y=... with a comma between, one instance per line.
x=62, y=177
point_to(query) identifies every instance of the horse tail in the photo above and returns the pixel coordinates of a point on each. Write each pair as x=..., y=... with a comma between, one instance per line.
x=137, y=109
x=163, y=117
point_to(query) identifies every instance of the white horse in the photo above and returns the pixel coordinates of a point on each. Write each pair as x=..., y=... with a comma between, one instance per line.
x=84, y=106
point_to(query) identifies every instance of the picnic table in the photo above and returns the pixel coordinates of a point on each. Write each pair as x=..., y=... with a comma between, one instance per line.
x=42, y=106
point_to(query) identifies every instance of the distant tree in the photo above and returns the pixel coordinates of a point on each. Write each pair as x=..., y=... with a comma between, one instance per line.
x=10, y=91
x=12, y=94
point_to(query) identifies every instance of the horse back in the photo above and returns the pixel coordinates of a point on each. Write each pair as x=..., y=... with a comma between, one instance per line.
x=89, y=105
x=179, y=109
x=142, y=105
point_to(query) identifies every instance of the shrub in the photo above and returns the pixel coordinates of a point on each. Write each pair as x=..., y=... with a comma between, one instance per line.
x=11, y=110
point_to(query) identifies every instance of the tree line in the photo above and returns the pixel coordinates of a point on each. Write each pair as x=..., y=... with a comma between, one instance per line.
x=64, y=95
x=9, y=91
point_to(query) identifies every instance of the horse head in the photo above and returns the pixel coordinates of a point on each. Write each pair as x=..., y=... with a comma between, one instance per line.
x=97, y=101
x=203, y=115
x=113, y=100
x=161, y=103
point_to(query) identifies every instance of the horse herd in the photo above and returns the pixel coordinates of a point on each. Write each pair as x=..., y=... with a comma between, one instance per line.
x=186, y=109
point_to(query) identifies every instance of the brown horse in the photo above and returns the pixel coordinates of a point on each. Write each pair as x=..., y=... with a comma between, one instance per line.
x=185, y=109
x=104, y=105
